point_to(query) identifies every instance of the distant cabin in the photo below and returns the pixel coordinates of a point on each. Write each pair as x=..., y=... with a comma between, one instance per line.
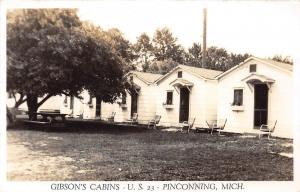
x=140, y=98
x=52, y=104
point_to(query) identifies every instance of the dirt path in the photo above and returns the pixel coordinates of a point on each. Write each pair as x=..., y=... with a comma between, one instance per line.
x=24, y=163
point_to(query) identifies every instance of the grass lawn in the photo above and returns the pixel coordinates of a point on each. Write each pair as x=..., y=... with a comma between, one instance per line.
x=144, y=155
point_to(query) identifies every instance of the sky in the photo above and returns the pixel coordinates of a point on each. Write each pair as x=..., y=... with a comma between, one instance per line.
x=260, y=28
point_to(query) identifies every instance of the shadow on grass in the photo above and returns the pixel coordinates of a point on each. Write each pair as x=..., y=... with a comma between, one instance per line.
x=97, y=151
x=78, y=126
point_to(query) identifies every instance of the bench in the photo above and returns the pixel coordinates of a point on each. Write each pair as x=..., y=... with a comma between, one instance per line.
x=49, y=111
x=52, y=121
x=36, y=122
x=45, y=124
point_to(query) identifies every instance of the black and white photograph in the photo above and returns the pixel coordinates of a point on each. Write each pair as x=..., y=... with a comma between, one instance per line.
x=183, y=92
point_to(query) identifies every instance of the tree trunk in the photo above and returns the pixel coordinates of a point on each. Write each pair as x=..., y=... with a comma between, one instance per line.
x=20, y=101
x=10, y=116
x=32, y=104
x=98, y=106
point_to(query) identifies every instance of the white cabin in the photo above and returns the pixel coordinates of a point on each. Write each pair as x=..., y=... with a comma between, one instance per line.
x=83, y=108
x=257, y=91
x=139, y=99
x=185, y=93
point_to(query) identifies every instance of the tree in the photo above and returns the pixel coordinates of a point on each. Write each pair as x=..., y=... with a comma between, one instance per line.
x=217, y=58
x=162, y=67
x=104, y=74
x=37, y=49
x=123, y=48
x=282, y=59
x=194, y=55
x=144, y=50
x=160, y=54
x=50, y=52
x=236, y=59
x=166, y=47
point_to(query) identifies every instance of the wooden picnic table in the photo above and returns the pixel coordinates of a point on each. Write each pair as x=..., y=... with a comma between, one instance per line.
x=52, y=116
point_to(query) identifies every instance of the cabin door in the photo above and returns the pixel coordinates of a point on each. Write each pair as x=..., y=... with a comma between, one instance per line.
x=72, y=102
x=98, y=107
x=134, y=100
x=184, y=105
x=260, y=104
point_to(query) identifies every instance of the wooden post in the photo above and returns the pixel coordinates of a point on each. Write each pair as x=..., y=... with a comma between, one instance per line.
x=204, y=40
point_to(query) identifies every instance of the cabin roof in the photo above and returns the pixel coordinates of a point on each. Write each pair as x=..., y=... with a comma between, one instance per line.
x=282, y=66
x=147, y=78
x=202, y=72
x=206, y=74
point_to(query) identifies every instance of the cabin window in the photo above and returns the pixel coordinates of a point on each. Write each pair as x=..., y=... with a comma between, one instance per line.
x=179, y=74
x=252, y=68
x=90, y=100
x=169, y=98
x=66, y=99
x=238, y=97
x=123, y=98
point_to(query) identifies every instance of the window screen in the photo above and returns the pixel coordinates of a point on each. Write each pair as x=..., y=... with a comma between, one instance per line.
x=169, y=98
x=238, y=97
x=252, y=68
x=179, y=74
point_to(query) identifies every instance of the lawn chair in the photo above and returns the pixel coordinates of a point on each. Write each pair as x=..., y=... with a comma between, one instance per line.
x=111, y=118
x=267, y=129
x=218, y=125
x=154, y=122
x=134, y=119
x=188, y=124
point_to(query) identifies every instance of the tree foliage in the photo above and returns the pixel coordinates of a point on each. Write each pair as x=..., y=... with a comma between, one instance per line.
x=161, y=53
x=51, y=52
x=162, y=67
x=143, y=49
x=154, y=55
x=282, y=59
x=166, y=46
x=194, y=55
x=217, y=58
x=105, y=69
x=122, y=47
x=39, y=43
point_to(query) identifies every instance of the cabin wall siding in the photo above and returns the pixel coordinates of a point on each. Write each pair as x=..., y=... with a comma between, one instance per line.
x=279, y=100
x=80, y=107
x=211, y=100
x=200, y=100
x=146, y=107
